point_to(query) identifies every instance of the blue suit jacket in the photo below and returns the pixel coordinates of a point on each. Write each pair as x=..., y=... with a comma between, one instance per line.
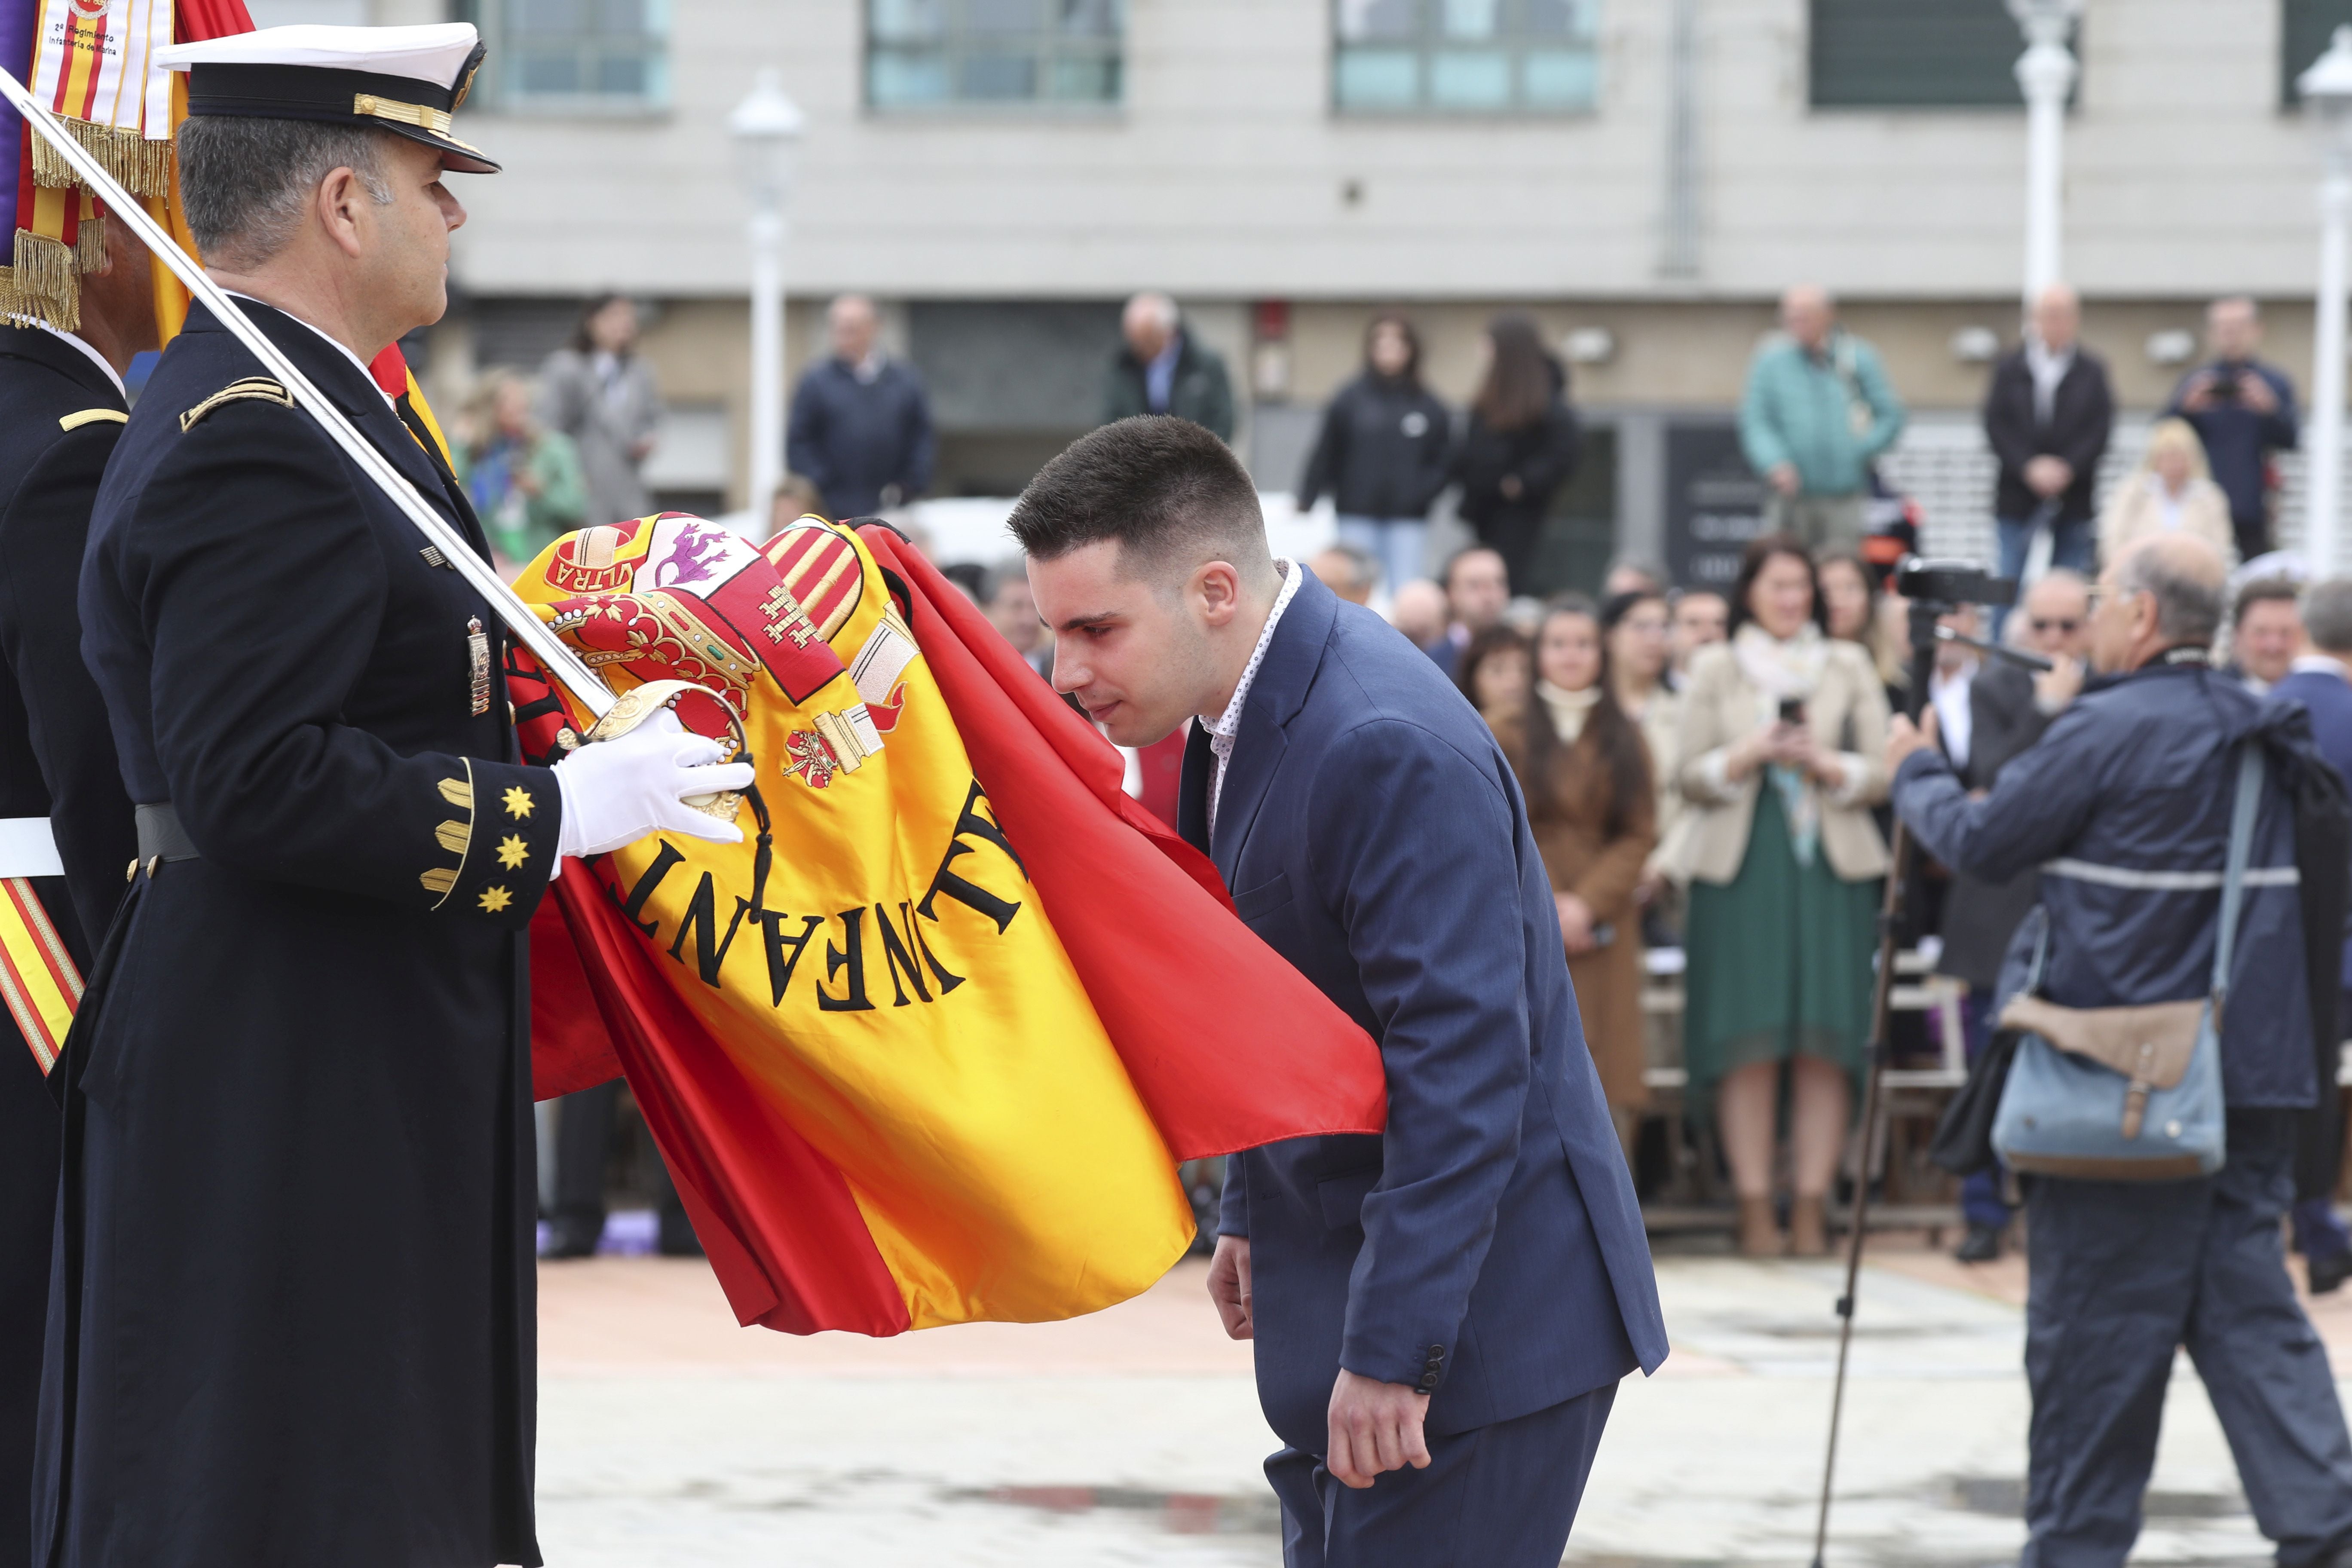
x=1487, y=1247
x=2328, y=699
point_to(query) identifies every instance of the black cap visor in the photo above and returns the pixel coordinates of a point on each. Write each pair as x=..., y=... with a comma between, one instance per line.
x=402, y=105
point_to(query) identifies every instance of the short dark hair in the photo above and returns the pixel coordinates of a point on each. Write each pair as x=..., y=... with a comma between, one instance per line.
x=2327, y=614
x=2259, y=590
x=1164, y=490
x=1446, y=573
x=244, y=179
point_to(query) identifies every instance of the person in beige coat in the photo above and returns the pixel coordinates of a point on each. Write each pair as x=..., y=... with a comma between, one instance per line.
x=1778, y=762
x=2171, y=492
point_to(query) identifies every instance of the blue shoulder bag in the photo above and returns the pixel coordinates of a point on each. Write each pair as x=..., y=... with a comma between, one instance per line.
x=2128, y=1094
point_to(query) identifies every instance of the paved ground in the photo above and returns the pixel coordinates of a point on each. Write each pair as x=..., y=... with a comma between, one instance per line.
x=668, y=1438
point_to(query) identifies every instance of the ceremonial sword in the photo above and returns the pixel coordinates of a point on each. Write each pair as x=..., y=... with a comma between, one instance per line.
x=550, y=651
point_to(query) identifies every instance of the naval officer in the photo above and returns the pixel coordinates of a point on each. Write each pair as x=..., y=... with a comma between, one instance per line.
x=296, y=1229
x=65, y=822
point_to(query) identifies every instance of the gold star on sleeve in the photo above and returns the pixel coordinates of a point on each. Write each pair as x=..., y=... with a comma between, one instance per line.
x=517, y=801
x=511, y=851
x=495, y=899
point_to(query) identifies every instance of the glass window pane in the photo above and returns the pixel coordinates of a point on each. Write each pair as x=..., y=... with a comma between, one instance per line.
x=906, y=77
x=1469, y=80
x=621, y=74
x=1002, y=15
x=550, y=73
x=1364, y=20
x=1472, y=18
x=1085, y=81
x=1090, y=18
x=906, y=21
x=547, y=15
x=621, y=17
x=1559, y=78
x=984, y=77
x=1553, y=19
x=1378, y=78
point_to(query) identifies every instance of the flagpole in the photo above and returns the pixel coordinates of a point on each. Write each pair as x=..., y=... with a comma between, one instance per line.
x=121, y=207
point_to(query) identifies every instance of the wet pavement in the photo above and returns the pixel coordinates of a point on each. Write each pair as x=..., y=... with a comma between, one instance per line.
x=668, y=1436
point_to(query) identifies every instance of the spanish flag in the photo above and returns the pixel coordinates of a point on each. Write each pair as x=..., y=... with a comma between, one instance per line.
x=926, y=1047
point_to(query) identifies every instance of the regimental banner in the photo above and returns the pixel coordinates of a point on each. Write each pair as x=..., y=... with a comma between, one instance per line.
x=94, y=65
x=891, y=1003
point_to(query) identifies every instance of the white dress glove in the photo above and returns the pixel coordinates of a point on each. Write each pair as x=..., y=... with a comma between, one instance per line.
x=617, y=791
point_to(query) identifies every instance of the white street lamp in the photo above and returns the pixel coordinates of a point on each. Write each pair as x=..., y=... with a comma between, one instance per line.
x=2045, y=74
x=2326, y=89
x=766, y=130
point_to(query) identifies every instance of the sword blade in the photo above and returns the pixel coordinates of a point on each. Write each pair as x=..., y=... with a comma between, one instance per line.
x=550, y=649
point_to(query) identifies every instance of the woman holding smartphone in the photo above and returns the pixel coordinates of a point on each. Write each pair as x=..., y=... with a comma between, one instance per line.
x=1782, y=731
x=1586, y=774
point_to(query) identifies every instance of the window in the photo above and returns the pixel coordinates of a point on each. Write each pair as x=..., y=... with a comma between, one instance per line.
x=939, y=54
x=1469, y=57
x=1903, y=54
x=574, y=56
x=2305, y=28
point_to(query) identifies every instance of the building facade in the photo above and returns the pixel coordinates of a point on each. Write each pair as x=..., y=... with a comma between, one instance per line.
x=1642, y=175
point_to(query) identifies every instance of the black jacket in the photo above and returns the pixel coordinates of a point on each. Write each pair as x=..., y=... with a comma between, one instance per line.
x=1542, y=456
x=1980, y=916
x=1200, y=391
x=300, y=1211
x=853, y=439
x=2082, y=416
x=59, y=416
x=1383, y=452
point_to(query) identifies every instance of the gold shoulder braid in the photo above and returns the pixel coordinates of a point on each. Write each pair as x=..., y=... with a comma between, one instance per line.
x=92, y=416
x=258, y=386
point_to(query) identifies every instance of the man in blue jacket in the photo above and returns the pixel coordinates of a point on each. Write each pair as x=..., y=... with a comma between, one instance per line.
x=1442, y=1313
x=861, y=424
x=2125, y=807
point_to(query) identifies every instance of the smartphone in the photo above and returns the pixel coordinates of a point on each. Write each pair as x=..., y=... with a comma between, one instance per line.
x=1793, y=710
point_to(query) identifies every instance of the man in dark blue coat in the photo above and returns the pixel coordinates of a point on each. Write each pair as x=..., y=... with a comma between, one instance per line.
x=2125, y=807
x=2321, y=682
x=861, y=426
x=65, y=822
x=1442, y=1313
x=2243, y=410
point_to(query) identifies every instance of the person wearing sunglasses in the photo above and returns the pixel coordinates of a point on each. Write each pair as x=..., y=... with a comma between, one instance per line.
x=2008, y=710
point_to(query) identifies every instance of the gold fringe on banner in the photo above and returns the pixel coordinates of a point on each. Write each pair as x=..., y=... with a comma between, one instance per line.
x=44, y=284
x=143, y=165
x=89, y=243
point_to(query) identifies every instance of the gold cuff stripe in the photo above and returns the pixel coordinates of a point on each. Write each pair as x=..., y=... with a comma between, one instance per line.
x=459, y=793
x=422, y=117
x=92, y=416
x=453, y=836
x=464, y=838
x=439, y=882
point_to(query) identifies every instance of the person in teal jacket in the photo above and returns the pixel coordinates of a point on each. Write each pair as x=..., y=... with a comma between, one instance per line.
x=523, y=479
x=1817, y=412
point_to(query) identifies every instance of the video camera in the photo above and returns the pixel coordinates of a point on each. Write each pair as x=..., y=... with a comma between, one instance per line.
x=1947, y=584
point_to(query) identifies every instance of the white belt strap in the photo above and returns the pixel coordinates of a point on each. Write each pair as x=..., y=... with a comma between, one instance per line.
x=27, y=849
x=2167, y=881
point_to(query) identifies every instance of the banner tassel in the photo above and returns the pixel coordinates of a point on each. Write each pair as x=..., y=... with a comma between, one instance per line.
x=142, y=163
x=44, y=283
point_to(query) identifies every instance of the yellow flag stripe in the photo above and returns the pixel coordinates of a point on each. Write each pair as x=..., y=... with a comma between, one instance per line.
x=38, y=977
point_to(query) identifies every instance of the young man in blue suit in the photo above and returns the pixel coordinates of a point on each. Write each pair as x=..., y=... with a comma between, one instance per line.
x=1441, y=1313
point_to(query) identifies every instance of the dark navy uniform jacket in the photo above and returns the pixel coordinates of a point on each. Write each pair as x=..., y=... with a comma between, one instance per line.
x=1487, y=1247
x=298, y=1321
x=2124, y=807
x=59, y=416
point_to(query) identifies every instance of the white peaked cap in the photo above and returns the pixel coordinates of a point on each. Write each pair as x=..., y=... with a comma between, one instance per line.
x=435, y=52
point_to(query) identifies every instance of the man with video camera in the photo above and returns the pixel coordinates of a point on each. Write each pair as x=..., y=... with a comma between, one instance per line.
x=2124, y=806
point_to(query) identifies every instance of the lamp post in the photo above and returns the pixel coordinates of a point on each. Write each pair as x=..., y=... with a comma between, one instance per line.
x=766, y=130
x=2326, y=89
x=2045, y=74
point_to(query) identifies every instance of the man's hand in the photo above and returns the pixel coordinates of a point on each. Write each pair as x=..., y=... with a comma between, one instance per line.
x=1575, y=922
x=2199, y=395
x=2256, y=394
x=1902, y=738
x=2059, y=685
x=2047, y=475
x=1374, y=1426
x=1783, y=477
x=1229, y=1285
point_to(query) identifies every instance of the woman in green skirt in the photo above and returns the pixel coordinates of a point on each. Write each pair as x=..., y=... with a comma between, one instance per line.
x=1782, y=731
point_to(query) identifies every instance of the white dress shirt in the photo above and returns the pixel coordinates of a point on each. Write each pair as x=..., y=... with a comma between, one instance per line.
x=1954, y=721
x=1228, y=724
